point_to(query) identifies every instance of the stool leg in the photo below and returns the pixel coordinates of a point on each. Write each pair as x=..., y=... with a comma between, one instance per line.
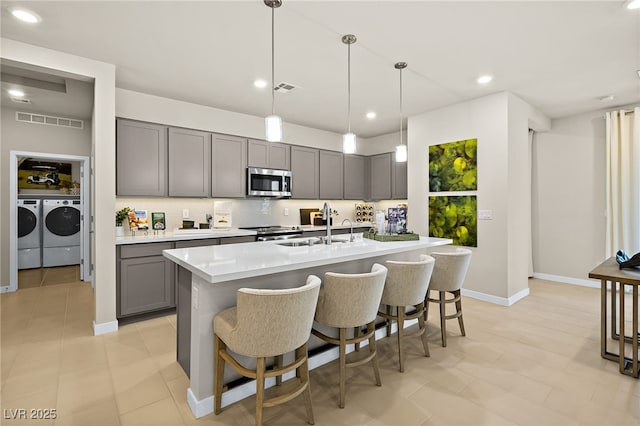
x=372, y=349
x=218, y=379
x=259, y=390
x=356, y=334
x=389, y=309
x=459, y=309
x=303, y=372
x=426, y=305
x=278, y=361
x=443, y=310
x=343, y=362
x=400, y=312
x=422, y=326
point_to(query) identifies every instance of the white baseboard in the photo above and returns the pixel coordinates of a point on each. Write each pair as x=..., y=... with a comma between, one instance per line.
x=502, y=301
x=568, y=280
x=105, y=327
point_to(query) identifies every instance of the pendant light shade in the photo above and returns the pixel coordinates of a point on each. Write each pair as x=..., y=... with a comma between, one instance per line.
x=273, y=123
x=349, y=139
x=401, y=149
x=349, y=143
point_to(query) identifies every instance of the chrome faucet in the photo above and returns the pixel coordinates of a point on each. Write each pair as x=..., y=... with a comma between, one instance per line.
x=326, y=215
x=350, y=232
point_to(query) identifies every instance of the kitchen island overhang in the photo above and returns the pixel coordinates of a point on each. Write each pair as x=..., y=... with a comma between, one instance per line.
x=208, y=278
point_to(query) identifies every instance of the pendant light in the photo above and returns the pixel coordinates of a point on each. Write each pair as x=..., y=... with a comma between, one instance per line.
x=349, y=139
x=273, y=123
x=401, y=150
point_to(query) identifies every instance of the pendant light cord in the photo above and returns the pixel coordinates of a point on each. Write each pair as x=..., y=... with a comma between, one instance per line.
x=401, y=140
x=349, y=86
x=273, y=44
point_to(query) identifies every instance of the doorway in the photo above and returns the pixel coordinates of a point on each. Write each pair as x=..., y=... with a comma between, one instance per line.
x=59, y=244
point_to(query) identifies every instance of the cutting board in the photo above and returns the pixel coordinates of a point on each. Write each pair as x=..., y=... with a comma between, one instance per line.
x=305, y=216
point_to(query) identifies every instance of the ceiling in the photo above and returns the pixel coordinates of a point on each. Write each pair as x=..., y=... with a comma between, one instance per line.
x=561, y=57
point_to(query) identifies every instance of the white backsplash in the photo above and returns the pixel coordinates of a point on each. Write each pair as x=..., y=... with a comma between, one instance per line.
x=253, y=212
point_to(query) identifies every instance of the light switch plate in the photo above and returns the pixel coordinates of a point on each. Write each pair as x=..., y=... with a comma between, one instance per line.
x=285, y=211
x=185, y=213
x=485, y=214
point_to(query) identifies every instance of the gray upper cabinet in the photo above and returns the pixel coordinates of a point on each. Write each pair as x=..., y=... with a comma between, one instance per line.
x=356, y=177
x=398, y=179
x=141, y=159
x=270, y=155
x=331, y=177
x=189, y=168
x=228, y=166
x=381, y=176
x=305, y=172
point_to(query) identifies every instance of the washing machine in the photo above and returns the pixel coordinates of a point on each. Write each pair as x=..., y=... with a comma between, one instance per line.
x=29, y=254
x=61, y=232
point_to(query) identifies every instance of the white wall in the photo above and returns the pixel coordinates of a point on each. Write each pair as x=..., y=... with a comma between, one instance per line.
x=569, y=163
x=500, y=123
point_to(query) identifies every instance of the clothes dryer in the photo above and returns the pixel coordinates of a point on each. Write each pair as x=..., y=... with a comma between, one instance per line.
x=61, y=232
x=29, y=224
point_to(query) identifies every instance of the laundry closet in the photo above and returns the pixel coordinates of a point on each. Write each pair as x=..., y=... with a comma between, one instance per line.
x=46, y=135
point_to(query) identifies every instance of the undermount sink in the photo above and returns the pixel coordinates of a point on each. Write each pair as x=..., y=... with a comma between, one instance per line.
x=310, y=242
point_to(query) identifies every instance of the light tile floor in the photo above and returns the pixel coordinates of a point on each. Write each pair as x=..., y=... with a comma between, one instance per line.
x=535, y=363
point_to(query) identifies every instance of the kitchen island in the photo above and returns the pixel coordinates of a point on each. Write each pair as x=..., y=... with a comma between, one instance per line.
x=208, y=278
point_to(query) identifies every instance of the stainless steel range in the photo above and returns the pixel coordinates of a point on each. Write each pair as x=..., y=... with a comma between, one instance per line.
x=268, y=233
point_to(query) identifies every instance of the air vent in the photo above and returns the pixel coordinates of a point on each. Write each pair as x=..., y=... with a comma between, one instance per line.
x=23, y=101
x=49, y=120
x=284, y=87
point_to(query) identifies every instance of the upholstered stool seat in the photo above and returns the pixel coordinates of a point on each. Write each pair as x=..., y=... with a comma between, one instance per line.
x=448, y=276
x=267, y=323
x=349, y=301
x=406, y=286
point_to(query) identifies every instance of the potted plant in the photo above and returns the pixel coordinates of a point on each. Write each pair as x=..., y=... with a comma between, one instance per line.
x=121, y=216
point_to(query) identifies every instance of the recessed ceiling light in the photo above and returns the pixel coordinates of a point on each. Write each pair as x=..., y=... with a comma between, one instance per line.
x=260, y=83
x=371, y=115
x=484, y=79
x=16, y=93
x=606, y=98
x=633, y=4
x=25, y=15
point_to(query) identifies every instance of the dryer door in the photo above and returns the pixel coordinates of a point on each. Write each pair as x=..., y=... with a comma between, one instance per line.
x=62, y=227
x=27, y=222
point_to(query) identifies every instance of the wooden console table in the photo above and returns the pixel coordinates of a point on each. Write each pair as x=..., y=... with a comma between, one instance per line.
x=609, y=271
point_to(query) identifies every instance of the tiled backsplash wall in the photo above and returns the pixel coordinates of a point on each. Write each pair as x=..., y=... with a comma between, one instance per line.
x=254, y=212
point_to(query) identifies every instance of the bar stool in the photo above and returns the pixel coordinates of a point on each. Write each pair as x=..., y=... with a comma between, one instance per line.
x=267, y=323
x=448, y=276
x=407, y=284
x=347, y=301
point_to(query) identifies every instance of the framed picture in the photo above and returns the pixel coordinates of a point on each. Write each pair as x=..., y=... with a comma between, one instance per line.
x=36, y=174
x=158, y=221
x=138, y=219
x=454, y=217
x=453, y=166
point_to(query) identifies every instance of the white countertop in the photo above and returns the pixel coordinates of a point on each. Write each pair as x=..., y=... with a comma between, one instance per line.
x=236, y=261
x=182, y=235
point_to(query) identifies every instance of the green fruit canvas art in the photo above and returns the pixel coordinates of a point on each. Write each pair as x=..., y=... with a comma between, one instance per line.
x=453, y=166
x=454, y=217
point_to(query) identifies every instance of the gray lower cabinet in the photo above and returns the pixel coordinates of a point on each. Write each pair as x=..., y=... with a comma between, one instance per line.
x=141, y=159
x=146, y=279
x=331, y=181
x=398, y=179
x=356, y=177
x=189, y=167
x=305, y=172
x=198, y=243
x=268, y=155
x=237, y=240
x=381, y=176
x=228, y=166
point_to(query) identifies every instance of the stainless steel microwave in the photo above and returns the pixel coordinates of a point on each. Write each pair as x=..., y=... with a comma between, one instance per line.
x=268, y=182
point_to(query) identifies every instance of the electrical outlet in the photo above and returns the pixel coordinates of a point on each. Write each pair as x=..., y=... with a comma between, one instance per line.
x=285, y=211
x=485, y=214
x=185, y=213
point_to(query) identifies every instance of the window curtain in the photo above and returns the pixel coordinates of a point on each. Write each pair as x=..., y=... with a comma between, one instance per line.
x=623, y=181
